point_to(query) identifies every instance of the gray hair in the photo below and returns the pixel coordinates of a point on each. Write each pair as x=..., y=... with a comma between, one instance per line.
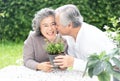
x=69, y=13
x=39, y=16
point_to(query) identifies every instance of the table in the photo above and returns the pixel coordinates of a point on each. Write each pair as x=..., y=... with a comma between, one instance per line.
x=21, y=73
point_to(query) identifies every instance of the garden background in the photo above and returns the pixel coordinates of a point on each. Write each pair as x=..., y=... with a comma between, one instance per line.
x=16, y=17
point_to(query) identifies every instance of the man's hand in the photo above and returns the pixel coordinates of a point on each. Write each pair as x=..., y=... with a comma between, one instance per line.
x=45, y=66
x=64, y=61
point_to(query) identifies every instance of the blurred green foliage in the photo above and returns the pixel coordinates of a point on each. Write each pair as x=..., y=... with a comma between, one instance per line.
x=16, y=15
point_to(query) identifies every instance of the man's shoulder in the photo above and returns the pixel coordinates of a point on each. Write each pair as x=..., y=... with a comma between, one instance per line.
x=87, y=25
x=88, y=28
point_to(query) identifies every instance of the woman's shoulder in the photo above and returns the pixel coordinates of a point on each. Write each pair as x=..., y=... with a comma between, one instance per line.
x=33, y=36
x=32, y=33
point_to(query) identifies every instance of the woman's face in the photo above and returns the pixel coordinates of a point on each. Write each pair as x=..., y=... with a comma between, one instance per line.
x=48, y=29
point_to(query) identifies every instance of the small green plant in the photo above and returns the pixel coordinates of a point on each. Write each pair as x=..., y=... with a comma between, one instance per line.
x=56, y=47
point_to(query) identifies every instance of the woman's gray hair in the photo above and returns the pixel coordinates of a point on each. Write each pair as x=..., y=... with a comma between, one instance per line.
x=39, y=16
x=69, y=13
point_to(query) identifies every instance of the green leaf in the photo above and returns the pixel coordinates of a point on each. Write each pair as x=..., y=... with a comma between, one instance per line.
x=102, y=54
x=109, y=68
x=92, y=63
x=116, y=61
x=92, y=60
x=116, y=74
x=115, y=51
x=93, y=56
x=104, y=76
x=111, y=71
x=90, y=72
x=99, y=68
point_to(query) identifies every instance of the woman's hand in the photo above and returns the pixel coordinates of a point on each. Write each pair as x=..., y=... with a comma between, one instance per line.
x=45, y=66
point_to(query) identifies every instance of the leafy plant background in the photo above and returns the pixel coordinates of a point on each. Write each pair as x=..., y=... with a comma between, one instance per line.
x=16, y=15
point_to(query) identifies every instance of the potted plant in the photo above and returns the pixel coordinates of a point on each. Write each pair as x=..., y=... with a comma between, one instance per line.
x=54, y=49
x=101, y=65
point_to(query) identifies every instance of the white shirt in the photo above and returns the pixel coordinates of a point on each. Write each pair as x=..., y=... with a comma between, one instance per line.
x=89, y=40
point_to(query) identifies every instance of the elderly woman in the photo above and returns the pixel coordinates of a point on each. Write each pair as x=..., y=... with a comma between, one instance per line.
x=34, y=53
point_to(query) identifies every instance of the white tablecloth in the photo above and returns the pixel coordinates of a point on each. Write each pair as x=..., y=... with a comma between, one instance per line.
x=21, y=73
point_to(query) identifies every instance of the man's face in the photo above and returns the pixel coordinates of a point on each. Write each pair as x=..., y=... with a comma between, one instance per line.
x=61, y=29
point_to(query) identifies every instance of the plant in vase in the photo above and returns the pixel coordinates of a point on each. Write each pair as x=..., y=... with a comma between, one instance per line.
x=54, y=49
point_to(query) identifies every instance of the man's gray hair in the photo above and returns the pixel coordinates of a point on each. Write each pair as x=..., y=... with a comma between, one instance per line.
x=69, y=13
x=39, y=16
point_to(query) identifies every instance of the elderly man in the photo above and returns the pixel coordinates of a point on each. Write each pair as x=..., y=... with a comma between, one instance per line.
x=83, y=39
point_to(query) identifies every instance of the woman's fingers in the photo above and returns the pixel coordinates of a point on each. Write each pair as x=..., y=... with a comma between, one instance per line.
x=46, y=67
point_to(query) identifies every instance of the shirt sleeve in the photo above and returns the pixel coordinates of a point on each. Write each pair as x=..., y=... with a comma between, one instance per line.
x=79, y=65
